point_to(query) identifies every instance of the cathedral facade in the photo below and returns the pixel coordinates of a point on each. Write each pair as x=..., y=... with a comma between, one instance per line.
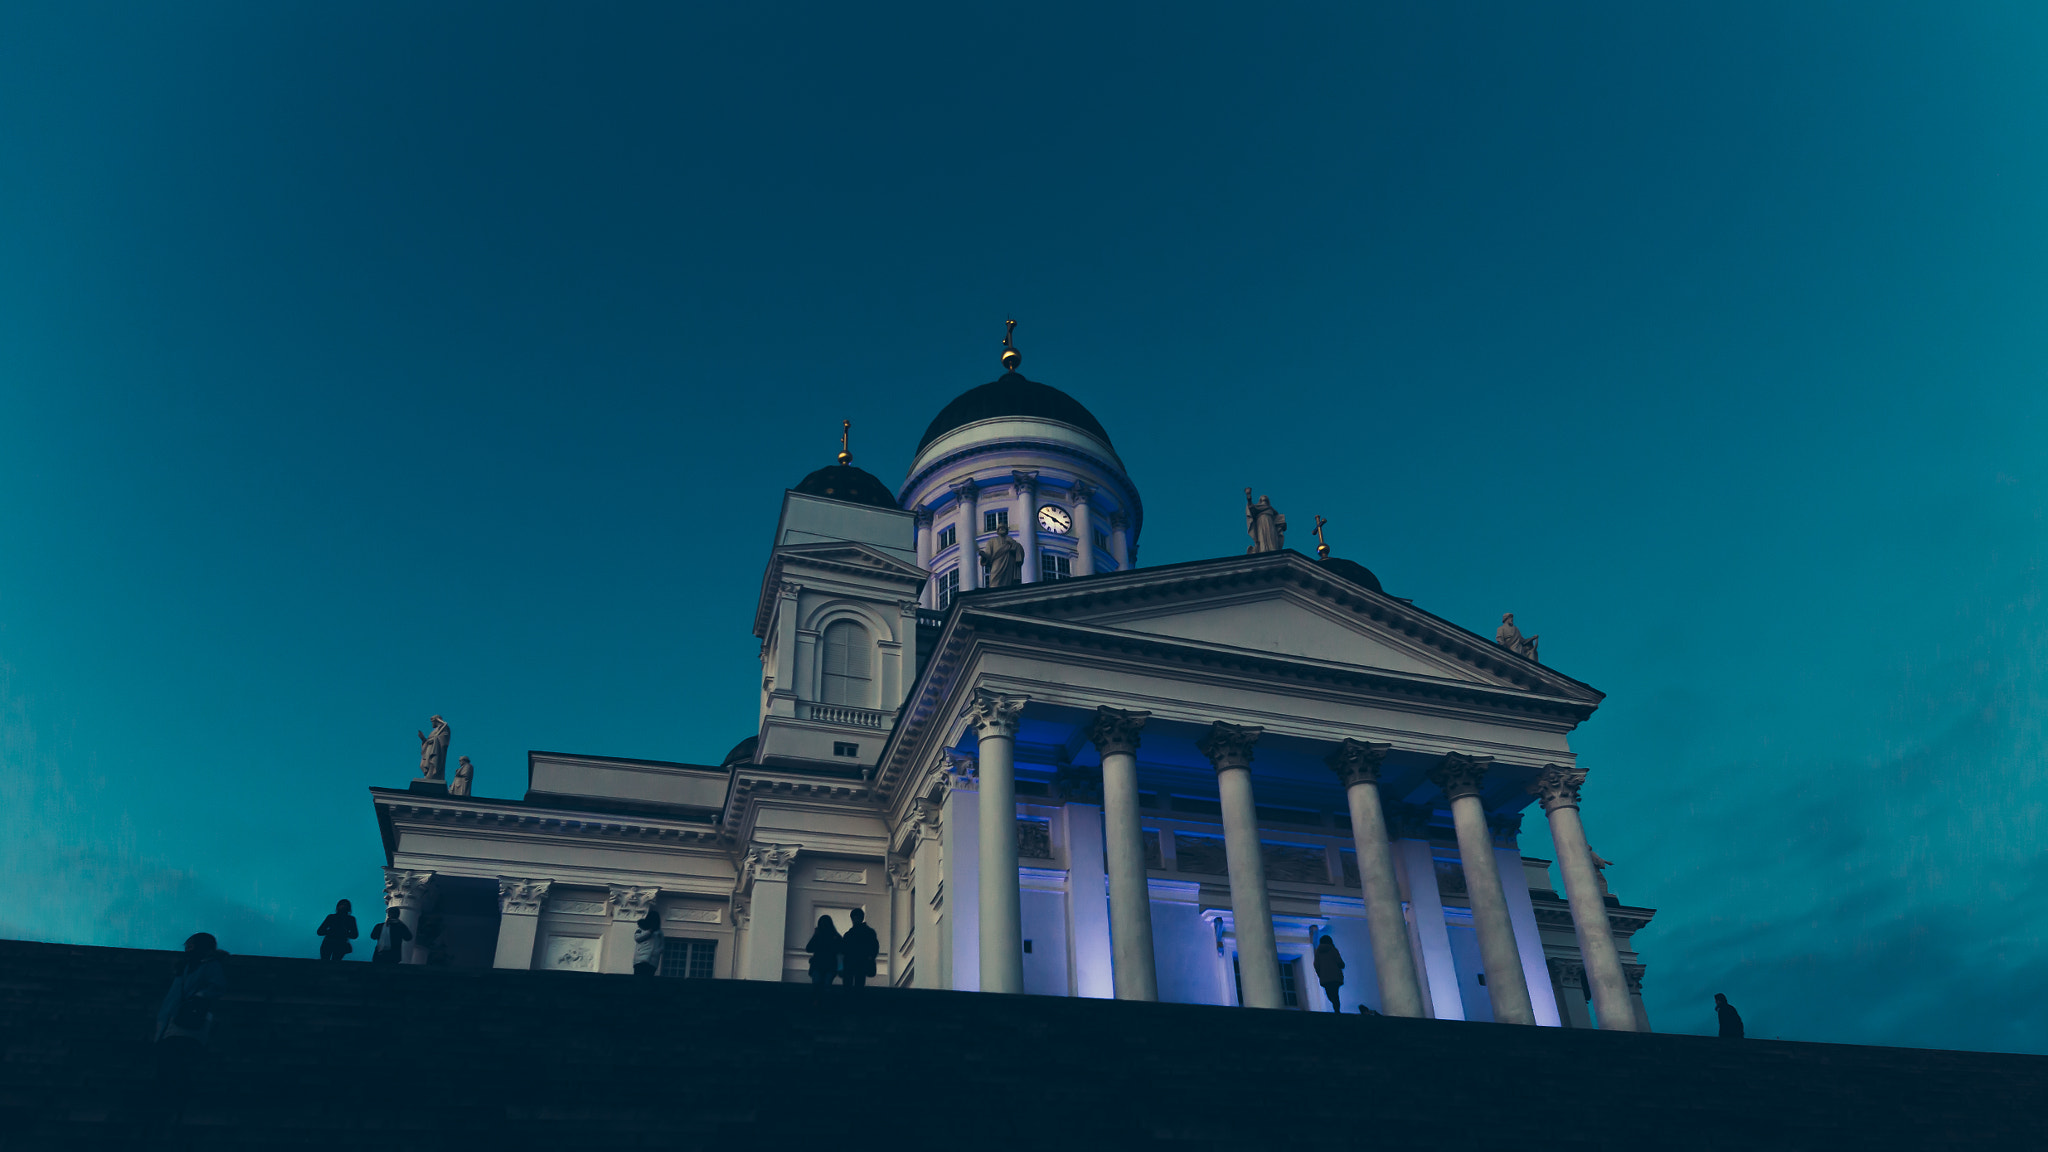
x=1036, y=767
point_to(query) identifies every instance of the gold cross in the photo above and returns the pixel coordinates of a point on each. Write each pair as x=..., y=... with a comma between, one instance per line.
x=1009, y=326
x=845, y=430
x=1322, y=546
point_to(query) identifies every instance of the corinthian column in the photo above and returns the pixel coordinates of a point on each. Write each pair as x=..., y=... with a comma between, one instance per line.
x=629, y=906
x=969, y=525
x=1115, y=736
x=519, y=902
x=1357, y=764
x=407, y=891
x=1459, y=776
x=1084, y=529
x=1025, y=522
x=1558, y=790
x=1002, y=915
x=1229, y=749
x=924, y=553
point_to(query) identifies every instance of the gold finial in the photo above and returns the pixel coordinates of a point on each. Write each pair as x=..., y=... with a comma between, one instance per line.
x=1322, y=545
x=845, y=431
x=1011, y=357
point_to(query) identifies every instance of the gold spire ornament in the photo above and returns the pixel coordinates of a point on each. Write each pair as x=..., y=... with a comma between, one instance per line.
x=1322, y=545
x=1011, y=357
x=845, y=433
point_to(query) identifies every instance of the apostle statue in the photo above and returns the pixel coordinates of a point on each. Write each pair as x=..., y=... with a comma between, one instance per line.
x=434, y=750
x=1600, y=868
x=1005, y=559
x=460, y=785
x=1264, y=524
x=1510, y=637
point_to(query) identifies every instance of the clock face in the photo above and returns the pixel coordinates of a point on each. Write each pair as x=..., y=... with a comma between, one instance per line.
x=1054, y=519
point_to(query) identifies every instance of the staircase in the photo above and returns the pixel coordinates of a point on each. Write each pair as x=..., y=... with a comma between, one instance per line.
x=312, y=1055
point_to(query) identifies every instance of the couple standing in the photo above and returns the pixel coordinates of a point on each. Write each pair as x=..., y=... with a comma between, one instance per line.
x=851, y=956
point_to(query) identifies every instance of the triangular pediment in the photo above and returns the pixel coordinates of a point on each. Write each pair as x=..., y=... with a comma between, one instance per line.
x=1290, y=622
x=852, y=555
x=1283, y=604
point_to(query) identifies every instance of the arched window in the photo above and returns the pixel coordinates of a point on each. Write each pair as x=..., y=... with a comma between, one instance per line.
x=848, y=659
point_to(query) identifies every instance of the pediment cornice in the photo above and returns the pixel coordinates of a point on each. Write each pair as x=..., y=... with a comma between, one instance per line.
x=840, y=557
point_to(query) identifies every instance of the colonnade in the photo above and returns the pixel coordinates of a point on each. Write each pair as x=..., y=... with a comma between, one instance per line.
x=1115, y=733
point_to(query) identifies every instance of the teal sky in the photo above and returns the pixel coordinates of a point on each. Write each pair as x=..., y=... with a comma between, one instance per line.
x=362, y=362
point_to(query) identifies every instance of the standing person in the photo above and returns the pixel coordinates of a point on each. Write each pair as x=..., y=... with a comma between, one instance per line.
x=1731, y=1020
x=824, y=950
x=184, y=1020
x=647, y=945
x=858, y=950
x=336, y=931
x=1330, y=970
x=390, y=936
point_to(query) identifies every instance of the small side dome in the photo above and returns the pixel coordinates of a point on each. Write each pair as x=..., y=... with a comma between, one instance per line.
x=742, y=753
x=1353, y=571
x=845, y=482
x=1012, y=395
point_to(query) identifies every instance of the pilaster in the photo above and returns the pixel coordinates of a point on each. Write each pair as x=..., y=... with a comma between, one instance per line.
x=519, y=904
x=409, y=891
x=628, y=905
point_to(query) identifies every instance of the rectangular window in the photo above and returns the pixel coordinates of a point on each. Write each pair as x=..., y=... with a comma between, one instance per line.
x=1290, y=973
x=1000, y=518
x=688, y=959
x=948, y=537
x=949, y=586
x=847, y=660
x=1102, y=542
x=842, y=748
x=1055, y=566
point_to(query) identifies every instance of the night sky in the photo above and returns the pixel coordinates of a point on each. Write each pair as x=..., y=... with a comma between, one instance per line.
x=360, y=362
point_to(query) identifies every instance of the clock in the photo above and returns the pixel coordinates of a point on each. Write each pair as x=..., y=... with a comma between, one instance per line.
x=1055, y=519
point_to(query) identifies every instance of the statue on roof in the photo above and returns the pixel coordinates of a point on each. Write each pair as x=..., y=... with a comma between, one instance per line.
x=1004, y=559
x=1600, y=868
x=460, y=785
x=1510, y=637
x=434, y=750
x=1264, y=524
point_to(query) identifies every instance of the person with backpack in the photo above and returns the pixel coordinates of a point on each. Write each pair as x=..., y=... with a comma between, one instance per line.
x=857, y=951
x=336, y=931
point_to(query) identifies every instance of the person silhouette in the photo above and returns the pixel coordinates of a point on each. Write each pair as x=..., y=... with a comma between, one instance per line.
x=184, y=1019
x=858, y=949
x=824, y=950
x=1330, y=970
x=336, y=931
x=647, y=945
x=390, y=936
x=1731, y=1020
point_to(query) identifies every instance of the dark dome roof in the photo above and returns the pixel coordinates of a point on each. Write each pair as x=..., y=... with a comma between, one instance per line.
x=1012, y=395
x=845, y=482
x=742, y=752
x=1353, y=571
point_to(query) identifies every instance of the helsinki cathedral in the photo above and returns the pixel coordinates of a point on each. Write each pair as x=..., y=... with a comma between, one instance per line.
x=1038, y=767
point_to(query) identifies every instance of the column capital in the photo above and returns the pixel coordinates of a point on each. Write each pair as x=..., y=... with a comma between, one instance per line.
x=521, y=897
x=404, y=888
x=961, y=773
x=631, y=903
x=925, y=823
x=1558, y=787
x=1568, y=973
x=1460, y=775
x=995, y=713
x=1634, y=974
x=1229, y=745
x=1358, y=761
x=1119, y=521
x=1082, y=493
x=1506, y=829
x=965, y=489
x=923, y=513
x=899, y=876
x=790, y=589
x=1025, y=480
x=1116, y=730
x=1408, y=821
x=768, y=862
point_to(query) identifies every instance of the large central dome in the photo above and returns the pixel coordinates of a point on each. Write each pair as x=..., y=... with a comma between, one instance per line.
x=1012, y=395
